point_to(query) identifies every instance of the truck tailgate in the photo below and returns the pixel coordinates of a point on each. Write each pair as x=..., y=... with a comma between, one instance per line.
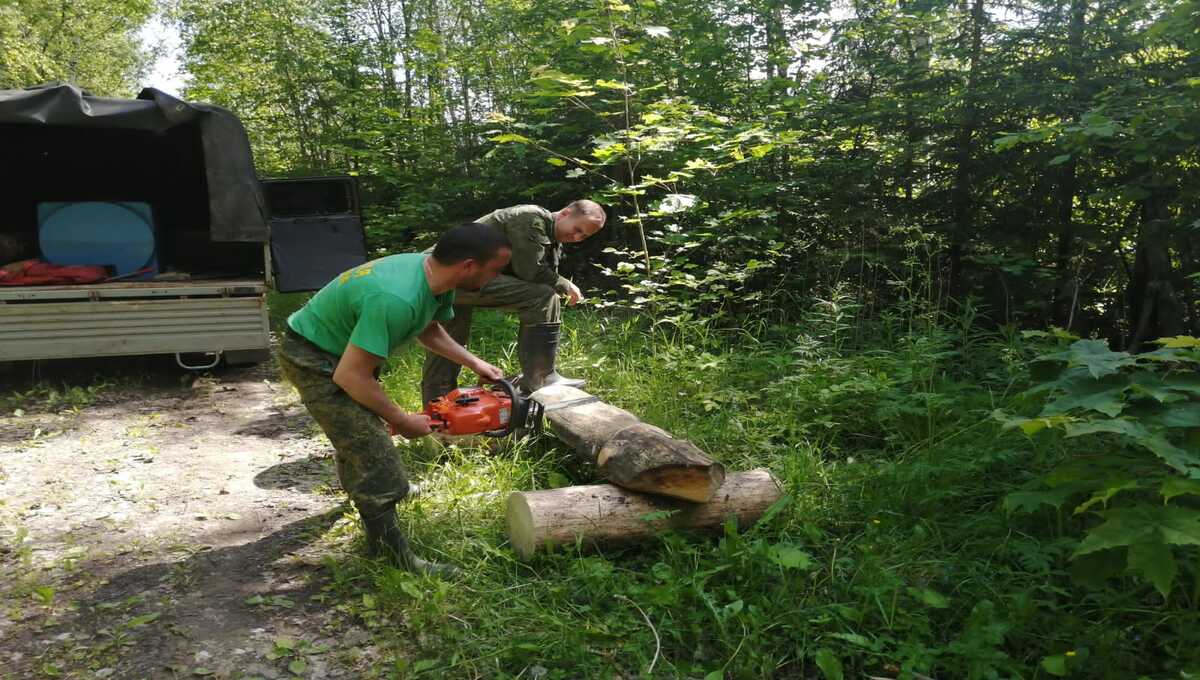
x=112, y=327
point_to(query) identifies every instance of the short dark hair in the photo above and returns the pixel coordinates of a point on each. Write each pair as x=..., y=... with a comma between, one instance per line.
x=470, y=241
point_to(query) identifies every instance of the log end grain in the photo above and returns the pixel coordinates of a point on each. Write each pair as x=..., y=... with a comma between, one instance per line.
x=520, y=526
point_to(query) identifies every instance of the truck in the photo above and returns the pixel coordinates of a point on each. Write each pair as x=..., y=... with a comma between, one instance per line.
x=163, y=194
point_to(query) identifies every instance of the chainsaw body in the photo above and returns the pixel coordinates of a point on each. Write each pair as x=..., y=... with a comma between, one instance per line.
x=490, y=411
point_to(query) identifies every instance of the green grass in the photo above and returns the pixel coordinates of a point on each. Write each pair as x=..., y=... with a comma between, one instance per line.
x=890, y=558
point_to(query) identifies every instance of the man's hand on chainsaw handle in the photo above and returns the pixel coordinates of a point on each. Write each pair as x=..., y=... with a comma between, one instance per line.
x=355, y=374
x=409, y=425
x=487, y=373
x=437, y=340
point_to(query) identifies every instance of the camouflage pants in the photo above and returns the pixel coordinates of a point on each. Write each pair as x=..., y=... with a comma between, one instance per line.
x=531, y=302
x=368, y=464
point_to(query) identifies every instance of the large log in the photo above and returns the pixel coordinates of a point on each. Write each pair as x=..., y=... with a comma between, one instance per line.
x=627, y=451
x=603, y=514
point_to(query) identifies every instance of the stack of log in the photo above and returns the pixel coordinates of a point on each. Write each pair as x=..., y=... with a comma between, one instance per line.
x=658, y=482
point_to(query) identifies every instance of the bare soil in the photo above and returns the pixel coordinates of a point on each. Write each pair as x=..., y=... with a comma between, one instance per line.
x=168, y=525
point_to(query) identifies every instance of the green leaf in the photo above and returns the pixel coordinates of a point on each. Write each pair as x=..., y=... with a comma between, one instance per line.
x=761, y=150
x=1114, y=426
x=557, y=162
x=1031, y=426
x=856, y=639
x=1155, y=562
x=1076, y=389
x=424, y=665
x=1180, y=415
x=929, y=597
x=1179, y=487
x=1055, y=665
x=411, y=589
x=1095, y=355
x=511, y=137
x=612, y=85
x=576, y=172
x=143, y=619
x=658, y=31
x=1059, y=160
x=1179, y=342
x=829, y=663
x=298, y=666
x=1104, y=495
x=1153, y=386
x=1183, y=383
x=790, y=557
x=285, y=643
x=715, y=675
x=1179, y=459
x=1030, y=501
x=1140, y=524
x=774, y=509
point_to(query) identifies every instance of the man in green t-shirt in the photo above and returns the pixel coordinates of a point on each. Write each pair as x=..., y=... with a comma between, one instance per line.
x=335, y=345
x=529, y=287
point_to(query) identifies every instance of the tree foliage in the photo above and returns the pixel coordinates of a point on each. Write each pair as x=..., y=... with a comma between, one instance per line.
x=93, y=43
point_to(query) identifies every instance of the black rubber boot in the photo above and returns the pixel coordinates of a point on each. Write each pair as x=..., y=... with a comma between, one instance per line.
x=537, y=348
x=384, y=539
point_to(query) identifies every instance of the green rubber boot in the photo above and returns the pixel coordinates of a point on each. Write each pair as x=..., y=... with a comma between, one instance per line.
x=384, y=539
x=537, y=349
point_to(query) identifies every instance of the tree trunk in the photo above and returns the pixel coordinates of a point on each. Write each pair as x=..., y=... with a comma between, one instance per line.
x=1155, y=307
x=629, y=452
x=604, y=514
x=960, y=195
x=1066, y=292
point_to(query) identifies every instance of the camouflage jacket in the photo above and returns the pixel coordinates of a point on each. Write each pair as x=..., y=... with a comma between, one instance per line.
x=535, y=252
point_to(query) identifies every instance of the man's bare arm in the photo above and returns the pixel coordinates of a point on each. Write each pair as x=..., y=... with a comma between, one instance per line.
x=435, y=339
x=355, y=374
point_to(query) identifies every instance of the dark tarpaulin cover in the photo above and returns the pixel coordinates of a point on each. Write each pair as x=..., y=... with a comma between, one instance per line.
x=237, y=211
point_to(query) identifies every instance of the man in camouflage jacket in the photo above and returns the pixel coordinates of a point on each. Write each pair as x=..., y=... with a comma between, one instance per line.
x=529, y=287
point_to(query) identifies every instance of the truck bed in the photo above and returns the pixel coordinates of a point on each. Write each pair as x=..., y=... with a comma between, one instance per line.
x=126, y=318
x=118, y=290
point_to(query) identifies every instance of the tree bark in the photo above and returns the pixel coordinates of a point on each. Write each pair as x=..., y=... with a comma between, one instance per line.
x=1153, y=301
x=603, y=514
x=961, y=198
x=629, y=452
x=1066, y=292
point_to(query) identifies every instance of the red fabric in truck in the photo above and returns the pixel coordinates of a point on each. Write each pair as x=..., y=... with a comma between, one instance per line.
x=36, y=272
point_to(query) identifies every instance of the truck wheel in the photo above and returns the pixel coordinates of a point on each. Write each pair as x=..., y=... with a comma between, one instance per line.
x=246, y=357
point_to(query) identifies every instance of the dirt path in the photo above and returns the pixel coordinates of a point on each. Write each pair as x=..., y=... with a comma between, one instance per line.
x=171, y=528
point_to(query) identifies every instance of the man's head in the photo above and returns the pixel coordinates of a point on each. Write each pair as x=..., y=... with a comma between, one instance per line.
x=577, y=221
x=474, y=253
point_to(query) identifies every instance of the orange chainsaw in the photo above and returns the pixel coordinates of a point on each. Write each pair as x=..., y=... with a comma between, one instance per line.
x=490, y=411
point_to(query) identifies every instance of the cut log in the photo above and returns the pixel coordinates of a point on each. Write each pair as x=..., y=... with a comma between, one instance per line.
x=604, y=514
x=628, y=452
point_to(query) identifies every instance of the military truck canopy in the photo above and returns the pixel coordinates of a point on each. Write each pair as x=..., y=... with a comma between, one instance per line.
x=191, y=161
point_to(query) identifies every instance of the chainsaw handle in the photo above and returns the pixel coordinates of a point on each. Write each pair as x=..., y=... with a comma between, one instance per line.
x=508, y=387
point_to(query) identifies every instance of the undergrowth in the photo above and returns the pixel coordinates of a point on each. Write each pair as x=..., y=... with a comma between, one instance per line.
x=893, y=553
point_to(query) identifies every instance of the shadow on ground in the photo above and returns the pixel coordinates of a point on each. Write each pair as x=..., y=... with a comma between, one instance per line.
x=305, y=474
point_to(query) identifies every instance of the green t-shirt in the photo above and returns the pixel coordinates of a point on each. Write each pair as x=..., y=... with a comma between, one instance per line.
x=377, y=306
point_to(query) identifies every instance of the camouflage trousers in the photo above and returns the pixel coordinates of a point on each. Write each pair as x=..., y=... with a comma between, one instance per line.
x=531, y=302
x=368, y=464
